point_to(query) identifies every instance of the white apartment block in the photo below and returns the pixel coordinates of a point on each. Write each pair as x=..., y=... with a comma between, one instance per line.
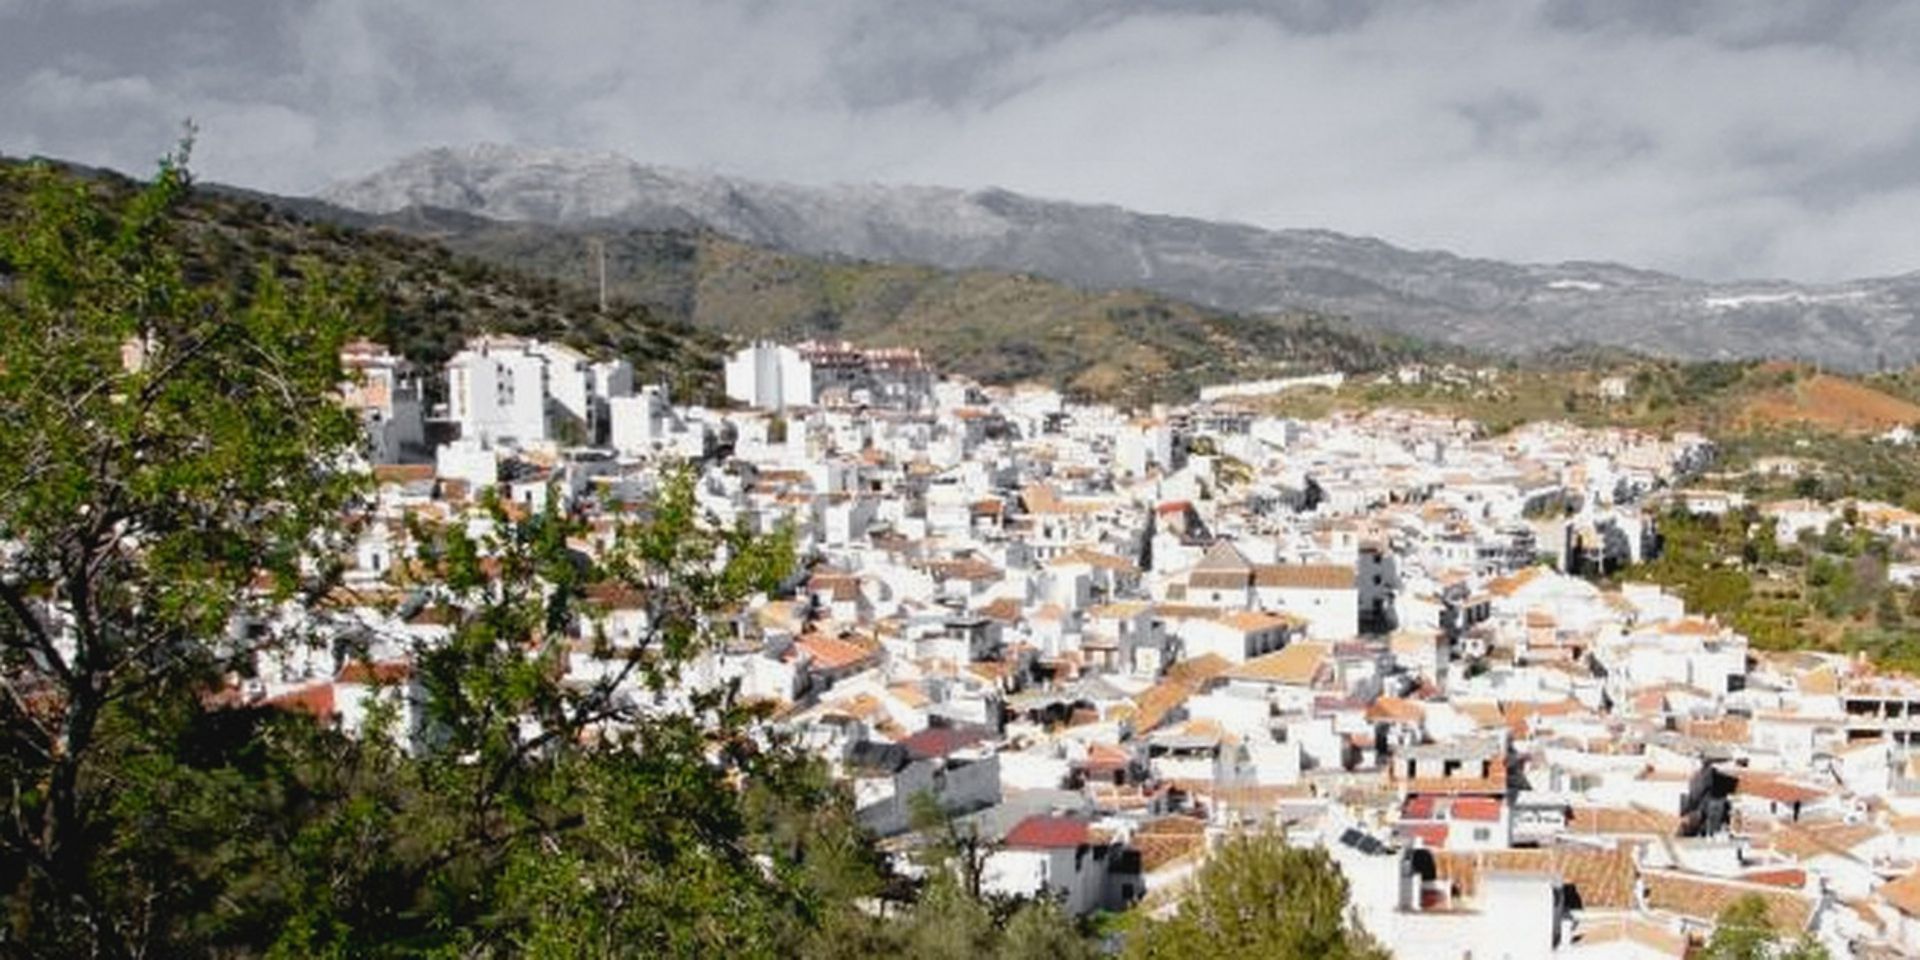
x=514, y=392
x=774, y=377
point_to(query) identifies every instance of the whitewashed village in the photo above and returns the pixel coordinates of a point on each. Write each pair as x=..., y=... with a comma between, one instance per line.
x=1103, y=640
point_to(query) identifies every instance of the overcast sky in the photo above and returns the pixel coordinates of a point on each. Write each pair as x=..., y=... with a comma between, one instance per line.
x=1717, y=138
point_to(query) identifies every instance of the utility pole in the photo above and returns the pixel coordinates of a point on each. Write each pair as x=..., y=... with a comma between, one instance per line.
x=600, y=256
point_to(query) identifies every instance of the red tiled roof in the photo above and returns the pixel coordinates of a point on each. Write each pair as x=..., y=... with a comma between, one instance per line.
x=1169, y=839
x=1424, y=806
x=1703, y=898
x=1047, y=833
x=381, y=673
x=316, y=700
x=1903, y=894
x=1622, y=821
x=1792, y=878
x=1003, y=609
x=832, y=653
x=1395, y=710
x=1182, y=679
x=616, y=595
x=1104, y=757
x=1771, y=788
x=842, y=587
x=1602, y=878
x=1485, y=809
x=1304, y=576
x=402, y=472
x=939, y=741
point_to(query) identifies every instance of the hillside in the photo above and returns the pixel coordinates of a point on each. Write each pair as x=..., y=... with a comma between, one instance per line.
x=995, y=326
x=1515, y=308
x=1831, y=403
x=426, y=297
x=1722, y=399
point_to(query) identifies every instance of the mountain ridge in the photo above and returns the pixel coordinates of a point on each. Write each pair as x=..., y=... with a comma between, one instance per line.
x=995, y=326
x=1475, y=302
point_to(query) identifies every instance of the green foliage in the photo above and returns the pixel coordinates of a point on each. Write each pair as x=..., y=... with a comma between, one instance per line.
x=490, y=806
x=1831, y=591
x=422, y=299
x=569, y=819
x=1258, y=897
x=953, y=917
x=163, y=444
x=1743, y=932
x=1704, y=559
x=999, y=327
x=1846, y=466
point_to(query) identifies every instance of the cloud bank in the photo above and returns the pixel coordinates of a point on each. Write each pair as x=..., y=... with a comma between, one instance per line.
x=1715, y=138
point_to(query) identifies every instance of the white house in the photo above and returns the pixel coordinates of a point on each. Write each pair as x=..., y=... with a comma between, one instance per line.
x=506, y=390
x=1053, y=856
x=385, y=390
x=1325, y=595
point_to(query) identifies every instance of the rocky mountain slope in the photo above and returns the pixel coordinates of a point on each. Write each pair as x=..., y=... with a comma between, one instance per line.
x=996, y=326
x=1232, y=267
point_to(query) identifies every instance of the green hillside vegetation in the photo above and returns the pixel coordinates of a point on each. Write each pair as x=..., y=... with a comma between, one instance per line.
x=426, y=299
x=996, y=327
x=1661, y=394
x=1752, y=410
x=1828, y=590
x=1836, y=467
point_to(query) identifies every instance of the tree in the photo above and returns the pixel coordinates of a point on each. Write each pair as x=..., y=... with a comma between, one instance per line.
x=955, y=917
x=615, y=814
x=1743, y=932
x=949, y=846
x=1259, y=897
x=174, y=469
x=168, y=459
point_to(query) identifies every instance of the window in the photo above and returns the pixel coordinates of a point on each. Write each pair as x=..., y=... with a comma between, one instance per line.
x=1482, y=833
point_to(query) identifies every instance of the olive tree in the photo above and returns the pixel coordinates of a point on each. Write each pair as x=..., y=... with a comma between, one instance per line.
x=169, y=451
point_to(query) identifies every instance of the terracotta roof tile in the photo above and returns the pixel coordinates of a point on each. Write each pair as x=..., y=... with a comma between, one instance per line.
x=1003, y=609
x=315, y=700
x=1182, y=679
x=1704, y=898
x=1296, y=664
x=936, y=742
x=380, y=673
x=1622, y=822
x=1772, y=787
x=833, y=653
x=1304, y=576
x=1645, y=933
x=1256, y=621
x=1048, y=833
x=1811, y=840
x=1903, y=894
x=1396, y=710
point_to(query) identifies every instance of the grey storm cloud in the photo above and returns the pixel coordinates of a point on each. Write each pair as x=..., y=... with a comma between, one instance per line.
x=1717, y=138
